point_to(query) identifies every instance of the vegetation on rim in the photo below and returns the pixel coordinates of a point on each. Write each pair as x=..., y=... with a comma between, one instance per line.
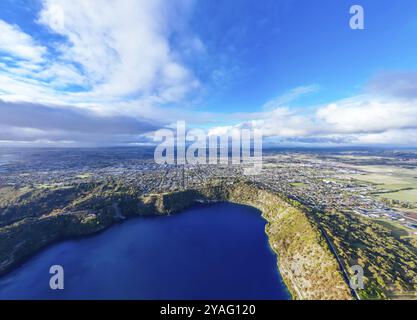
x=306, y=262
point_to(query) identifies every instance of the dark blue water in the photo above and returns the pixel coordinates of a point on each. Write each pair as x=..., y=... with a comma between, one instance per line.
x=211, y=252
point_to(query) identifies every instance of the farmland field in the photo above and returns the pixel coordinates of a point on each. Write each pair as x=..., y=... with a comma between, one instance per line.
x=395, y=183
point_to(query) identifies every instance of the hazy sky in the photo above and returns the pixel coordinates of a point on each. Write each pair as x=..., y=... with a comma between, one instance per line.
x=110, y=72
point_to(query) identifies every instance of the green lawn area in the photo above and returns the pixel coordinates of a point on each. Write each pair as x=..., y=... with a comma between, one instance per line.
x=403, y=195
x=84, y=176
x=298, y=184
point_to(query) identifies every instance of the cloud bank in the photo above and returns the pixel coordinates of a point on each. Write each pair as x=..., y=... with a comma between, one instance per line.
x=383, y=115
x=109, y=52
x=114, y=71
x=109, y=72
x=35, y=123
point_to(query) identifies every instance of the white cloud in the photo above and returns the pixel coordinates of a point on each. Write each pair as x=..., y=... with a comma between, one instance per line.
x=358, y=120
x=122, y=54
x=115, y=54
x=277, y=119
x=368, y=114
x=123, y=47
x=405, y=137
x=19, y=44
x=292, y=95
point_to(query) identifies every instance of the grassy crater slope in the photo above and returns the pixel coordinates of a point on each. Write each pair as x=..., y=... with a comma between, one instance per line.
x=305, y=260
x=389, y=260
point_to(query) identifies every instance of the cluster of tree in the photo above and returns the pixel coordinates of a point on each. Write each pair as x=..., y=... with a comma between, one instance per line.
x=388, y=260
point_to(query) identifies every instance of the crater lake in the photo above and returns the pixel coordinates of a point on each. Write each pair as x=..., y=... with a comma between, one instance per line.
x=217, y=251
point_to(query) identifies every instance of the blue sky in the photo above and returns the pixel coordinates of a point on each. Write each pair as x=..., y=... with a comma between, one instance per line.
x=279, y=45
x=292, y=68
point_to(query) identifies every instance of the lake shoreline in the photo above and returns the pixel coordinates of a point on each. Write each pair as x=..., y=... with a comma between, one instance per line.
x=281, y=216
x=184, y=215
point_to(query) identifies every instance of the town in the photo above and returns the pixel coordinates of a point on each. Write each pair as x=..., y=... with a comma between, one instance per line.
x=321, y=181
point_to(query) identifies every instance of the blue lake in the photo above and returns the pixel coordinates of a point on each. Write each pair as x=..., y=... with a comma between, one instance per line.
x=210, y=252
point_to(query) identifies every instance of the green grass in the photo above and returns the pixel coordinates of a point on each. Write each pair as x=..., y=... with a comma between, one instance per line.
x=401, y=183
x=390, y=178
x=298, y=184
x=402, y=195
x=385, y=251
x=397, y=230
x=84, y=176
